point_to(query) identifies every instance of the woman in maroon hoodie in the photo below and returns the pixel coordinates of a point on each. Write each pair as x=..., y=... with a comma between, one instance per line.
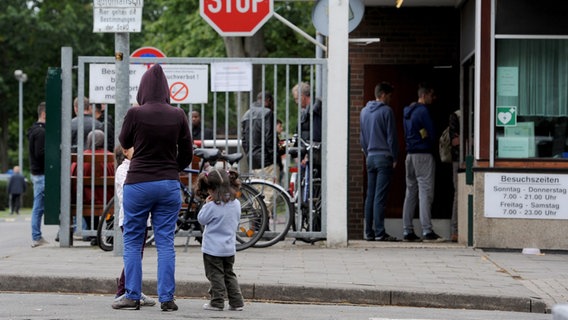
x=162, y=145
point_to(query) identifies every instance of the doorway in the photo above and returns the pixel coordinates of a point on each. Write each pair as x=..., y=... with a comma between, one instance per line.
x=405, y=79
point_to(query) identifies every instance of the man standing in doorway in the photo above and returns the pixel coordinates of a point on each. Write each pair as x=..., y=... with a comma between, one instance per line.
x=36, y=136
x=380, y=145
x=420, y=166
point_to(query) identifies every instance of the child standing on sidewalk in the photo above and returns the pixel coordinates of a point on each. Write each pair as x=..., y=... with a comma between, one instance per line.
x=220, y=217
x=123, y=157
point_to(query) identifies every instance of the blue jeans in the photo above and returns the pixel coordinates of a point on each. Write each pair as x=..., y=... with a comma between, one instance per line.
x=163, y=199
x=38, y=207
x=379, y=172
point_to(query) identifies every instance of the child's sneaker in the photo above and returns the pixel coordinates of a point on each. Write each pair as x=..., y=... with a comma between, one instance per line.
x=235, y=308
x=209, y=307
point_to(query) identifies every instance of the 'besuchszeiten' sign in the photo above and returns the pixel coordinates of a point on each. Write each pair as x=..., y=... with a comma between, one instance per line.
x=526, y=196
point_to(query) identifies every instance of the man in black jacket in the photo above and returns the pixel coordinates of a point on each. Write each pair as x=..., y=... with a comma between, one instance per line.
x=36, y=136
x=258, y=138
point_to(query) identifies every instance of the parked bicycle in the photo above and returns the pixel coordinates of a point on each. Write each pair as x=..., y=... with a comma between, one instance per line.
x=254, y=217
x=298, y=208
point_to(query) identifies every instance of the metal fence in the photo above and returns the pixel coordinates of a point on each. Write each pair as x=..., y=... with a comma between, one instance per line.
x=221, y=124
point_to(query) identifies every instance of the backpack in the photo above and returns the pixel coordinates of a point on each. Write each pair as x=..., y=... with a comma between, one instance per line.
x=445, y=146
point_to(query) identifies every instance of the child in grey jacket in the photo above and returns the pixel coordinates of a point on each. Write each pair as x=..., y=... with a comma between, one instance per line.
x=220, y=217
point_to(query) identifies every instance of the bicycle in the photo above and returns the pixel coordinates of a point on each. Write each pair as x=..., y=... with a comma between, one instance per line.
x=285, y=205
x=254, y=217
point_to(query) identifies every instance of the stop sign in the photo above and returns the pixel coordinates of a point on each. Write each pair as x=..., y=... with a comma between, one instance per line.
x=236, y=18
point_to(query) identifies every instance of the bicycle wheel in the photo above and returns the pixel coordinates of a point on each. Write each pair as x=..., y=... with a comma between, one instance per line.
x=254, y=217
x=105, y=230
x=280, y=212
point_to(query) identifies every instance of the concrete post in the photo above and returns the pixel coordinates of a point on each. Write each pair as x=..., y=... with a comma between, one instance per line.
x=335, y=164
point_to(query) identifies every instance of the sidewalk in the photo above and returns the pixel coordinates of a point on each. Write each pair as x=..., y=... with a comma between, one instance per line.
x=443, y=275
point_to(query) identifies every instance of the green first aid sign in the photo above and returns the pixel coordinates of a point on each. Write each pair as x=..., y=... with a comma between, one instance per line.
x=506, y=116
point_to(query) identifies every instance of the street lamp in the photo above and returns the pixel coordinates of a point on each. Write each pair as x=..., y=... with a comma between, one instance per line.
x=21, y=77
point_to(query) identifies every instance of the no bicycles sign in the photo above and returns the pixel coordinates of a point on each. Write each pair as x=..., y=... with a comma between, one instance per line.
x=187, y=83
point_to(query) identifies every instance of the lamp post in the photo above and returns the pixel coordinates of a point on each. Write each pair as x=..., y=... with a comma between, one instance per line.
x=21, y=77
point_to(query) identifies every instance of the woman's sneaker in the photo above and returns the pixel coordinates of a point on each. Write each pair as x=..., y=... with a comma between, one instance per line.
x=169, y=306
x=123, y=302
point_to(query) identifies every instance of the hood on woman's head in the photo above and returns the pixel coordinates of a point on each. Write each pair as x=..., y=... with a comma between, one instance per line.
x=153, y=87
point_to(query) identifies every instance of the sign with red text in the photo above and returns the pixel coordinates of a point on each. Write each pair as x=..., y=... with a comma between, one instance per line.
x=187, y=83
x=236, y=18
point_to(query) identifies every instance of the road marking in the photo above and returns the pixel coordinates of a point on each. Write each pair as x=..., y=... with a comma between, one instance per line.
x=398, y=319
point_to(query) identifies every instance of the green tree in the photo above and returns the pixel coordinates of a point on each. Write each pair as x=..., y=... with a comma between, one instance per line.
x=31, y=36
x=32, y=33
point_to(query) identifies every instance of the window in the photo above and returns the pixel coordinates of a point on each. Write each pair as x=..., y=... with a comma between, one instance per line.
x=531, y=79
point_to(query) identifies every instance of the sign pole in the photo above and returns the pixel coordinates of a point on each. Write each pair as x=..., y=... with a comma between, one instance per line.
x=122, y=62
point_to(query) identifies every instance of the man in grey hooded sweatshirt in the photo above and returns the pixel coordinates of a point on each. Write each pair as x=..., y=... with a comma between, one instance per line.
x=380, y=145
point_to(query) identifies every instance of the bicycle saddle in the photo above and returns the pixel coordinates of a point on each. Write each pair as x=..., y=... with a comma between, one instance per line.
x=232, y=158
x=208, y=154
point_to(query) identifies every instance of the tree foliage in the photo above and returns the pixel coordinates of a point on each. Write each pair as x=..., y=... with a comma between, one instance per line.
x=32, y=33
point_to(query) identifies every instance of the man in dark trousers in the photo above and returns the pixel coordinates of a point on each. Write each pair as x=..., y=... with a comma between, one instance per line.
x=16, y=187
x=380, y=145
x=36, y=136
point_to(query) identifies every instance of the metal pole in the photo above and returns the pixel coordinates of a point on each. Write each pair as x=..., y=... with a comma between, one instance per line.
x=122, y=63
x=20, y=123
x=21, y=77
x=65, y=218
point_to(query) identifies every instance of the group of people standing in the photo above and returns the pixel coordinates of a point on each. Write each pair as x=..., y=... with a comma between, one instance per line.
x=160, y=145
x=379, y=141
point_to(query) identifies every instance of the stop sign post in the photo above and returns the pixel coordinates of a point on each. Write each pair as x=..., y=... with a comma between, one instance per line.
x=236, y=18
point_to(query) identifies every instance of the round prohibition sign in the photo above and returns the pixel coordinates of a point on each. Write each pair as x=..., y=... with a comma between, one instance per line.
x=179, y=91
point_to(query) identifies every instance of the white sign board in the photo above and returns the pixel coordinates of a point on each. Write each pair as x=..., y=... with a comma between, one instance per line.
x=187, y=83
x=526, y=196
x=231, y=76
x=117, y=15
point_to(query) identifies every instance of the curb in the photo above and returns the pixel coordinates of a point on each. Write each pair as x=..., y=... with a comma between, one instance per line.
x=285, y=293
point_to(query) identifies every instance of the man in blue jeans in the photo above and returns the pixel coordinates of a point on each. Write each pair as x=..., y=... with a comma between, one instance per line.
x=380, y=145
x=36, y=136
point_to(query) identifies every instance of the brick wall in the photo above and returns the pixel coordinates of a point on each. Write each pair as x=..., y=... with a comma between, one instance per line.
x=408, y=36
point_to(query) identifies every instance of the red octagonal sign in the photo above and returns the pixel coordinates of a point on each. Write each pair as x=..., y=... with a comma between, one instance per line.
x=236, y=18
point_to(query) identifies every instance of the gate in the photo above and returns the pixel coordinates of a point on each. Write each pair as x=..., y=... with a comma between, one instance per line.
x=222, y=126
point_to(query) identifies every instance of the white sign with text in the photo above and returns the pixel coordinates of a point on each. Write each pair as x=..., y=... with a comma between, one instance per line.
x=187, y=83
x=526, y=196
x=117, y=15
x=231, y=76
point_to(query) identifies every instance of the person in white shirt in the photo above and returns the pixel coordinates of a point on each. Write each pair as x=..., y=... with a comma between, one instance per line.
x=123, y=157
